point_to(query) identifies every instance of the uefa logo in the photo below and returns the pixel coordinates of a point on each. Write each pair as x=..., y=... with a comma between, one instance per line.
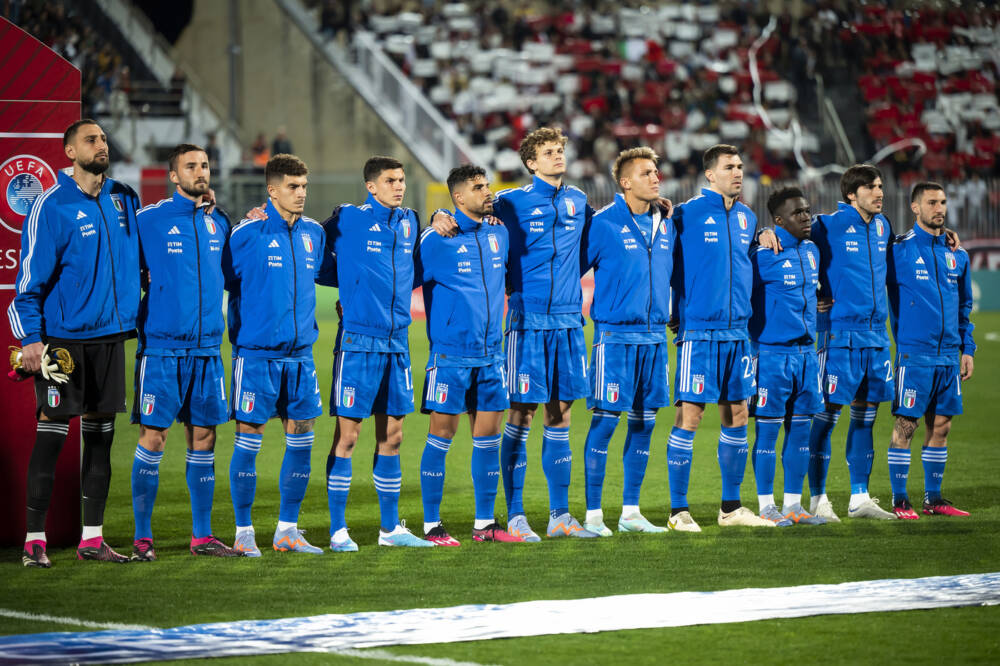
x=23, y=178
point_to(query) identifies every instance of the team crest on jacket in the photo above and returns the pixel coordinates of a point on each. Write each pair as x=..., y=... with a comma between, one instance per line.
x=879, y=227
x=831, y=384
x=23, y=178
x=116, y=201
x=812, y=260
x=523, y=383
x=54, y=397
x=949, y=260
x=148, y=402
x=742, y=218
x=698, y=384
x=570, y=207
x=612, y=392
x=347, y=399
x=494, y=244
x=909, y=398
x=406, y=228
x=307, y=243
x=441, y=393
x=663, y=226
x=761, y=397
x=246, y=405
x=210, y=224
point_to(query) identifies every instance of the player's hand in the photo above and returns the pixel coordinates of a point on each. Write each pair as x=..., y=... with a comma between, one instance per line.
x=257, y=213
x=340, y=310
x=823, y=304
x=444, y=224
x=767, y=238
x=666, y=206
x=674, y=324
x=953, y=241
x=492, y=220
x=31, y=357
x=967, y=367
x=209, y=198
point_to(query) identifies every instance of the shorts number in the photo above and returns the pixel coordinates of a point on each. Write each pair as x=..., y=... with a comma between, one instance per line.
x=888, y=371
x=748, y=367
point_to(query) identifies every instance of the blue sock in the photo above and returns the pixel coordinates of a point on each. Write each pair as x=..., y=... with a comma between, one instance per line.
x=338, y=485
x=513, y=465
x=243, y=475
x=388, y=477
x=595, y=454
x=860, y=447
x=764, y=456
x=635, y=455
x=899, y=472
x=819, y=450
x=145, y=481
x=295, y=468
x=795, y=453
x=432, y=476
x=732, y=461
x=485, y=474
x=557, y=463
x=934, y=459
x=199, y=470
x=680, y=451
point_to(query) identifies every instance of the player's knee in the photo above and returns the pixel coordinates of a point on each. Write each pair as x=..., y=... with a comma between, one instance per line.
x=152, y=439
x=688, y=419
x=941, y=430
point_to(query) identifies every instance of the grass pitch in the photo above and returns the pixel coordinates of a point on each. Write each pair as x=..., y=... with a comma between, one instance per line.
x=181, y=589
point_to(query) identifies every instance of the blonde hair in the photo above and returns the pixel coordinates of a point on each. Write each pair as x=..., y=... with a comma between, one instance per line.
x=626, y=156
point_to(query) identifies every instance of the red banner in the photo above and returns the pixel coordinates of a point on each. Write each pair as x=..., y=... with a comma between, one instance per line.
x=39, y=99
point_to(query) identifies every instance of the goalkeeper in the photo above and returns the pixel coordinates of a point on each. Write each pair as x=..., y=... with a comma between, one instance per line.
x=76, y=302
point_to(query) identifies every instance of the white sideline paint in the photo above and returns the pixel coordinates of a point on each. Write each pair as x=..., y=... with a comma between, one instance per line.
x=335, y=633
x=72, y=621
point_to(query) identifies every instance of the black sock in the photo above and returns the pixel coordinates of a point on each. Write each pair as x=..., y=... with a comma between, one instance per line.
x=677, y=509
x=96, y=468
x=728, y=506
x=49, y=440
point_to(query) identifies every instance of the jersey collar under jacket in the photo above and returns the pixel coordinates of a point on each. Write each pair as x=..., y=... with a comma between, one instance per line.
x=539, y=186
x=382, y=213
x=785, y=237
x=466, y=223
x=628, y=216
x=925, y=238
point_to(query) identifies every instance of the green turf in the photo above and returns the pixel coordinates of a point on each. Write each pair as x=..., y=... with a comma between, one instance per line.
x=181, y=589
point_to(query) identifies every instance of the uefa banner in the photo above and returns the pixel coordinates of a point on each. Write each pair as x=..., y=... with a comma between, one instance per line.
x=39, y=98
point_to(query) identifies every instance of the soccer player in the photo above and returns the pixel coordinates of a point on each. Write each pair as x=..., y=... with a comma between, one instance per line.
x=463, y=278
x=77, y=291
x=854, y=345
x=178, y=372
x=930, y=298
x=712, y=281
x=546, y=352
x=369, y=256
x=783, y=334
x=630, y=246
x=270, y=265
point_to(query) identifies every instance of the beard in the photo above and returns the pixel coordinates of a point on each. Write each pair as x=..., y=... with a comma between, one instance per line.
x=95, y=167
x=195, y=190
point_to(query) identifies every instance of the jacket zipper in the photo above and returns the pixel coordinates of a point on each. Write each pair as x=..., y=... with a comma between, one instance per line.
x=197, y=254
x=805, y=302
x=392, y=259
x=114, y=277
x=871, y=266
x=729, y=234
x=937, y=281
x=295, y=291
x=552, y=264
x=482, y=272
x=649, y=256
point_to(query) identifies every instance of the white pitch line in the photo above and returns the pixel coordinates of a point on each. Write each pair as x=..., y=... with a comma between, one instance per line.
x=72, y=621
x=385, y=655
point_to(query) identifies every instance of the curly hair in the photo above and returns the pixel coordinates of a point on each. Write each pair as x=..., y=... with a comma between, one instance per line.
x=529, y=146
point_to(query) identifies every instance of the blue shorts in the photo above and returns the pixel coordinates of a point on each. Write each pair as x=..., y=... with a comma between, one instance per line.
x=787, y=384
x=546, y=365
x=624, y=377
x=268, y=387
x=927, y=389
x=371, y=382
x=714, y=371
x=458, y=389
x=189, y=389
x=856, y=374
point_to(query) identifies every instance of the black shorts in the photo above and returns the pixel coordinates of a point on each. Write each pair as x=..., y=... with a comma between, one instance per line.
x=97, y=383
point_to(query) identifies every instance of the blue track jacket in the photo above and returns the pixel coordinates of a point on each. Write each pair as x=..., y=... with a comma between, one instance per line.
x=181, y=249
x=631, y=274
x=369, y=256
x=545, y=225
x=784, y=292
x=464, y=280
x=270, y=270
x=713, y=277
x=79, y=274
x=930, y=298
x=852, y=271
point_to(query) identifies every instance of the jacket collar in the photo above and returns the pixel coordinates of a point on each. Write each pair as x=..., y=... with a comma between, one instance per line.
x=466, y=223
x=381, y=213
x=926, y=238
x=274, y=218
x=621, y=206
x=187, y=205
x=785, y=237
x=850, y=210
x=67, y=182
x=541, y=187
